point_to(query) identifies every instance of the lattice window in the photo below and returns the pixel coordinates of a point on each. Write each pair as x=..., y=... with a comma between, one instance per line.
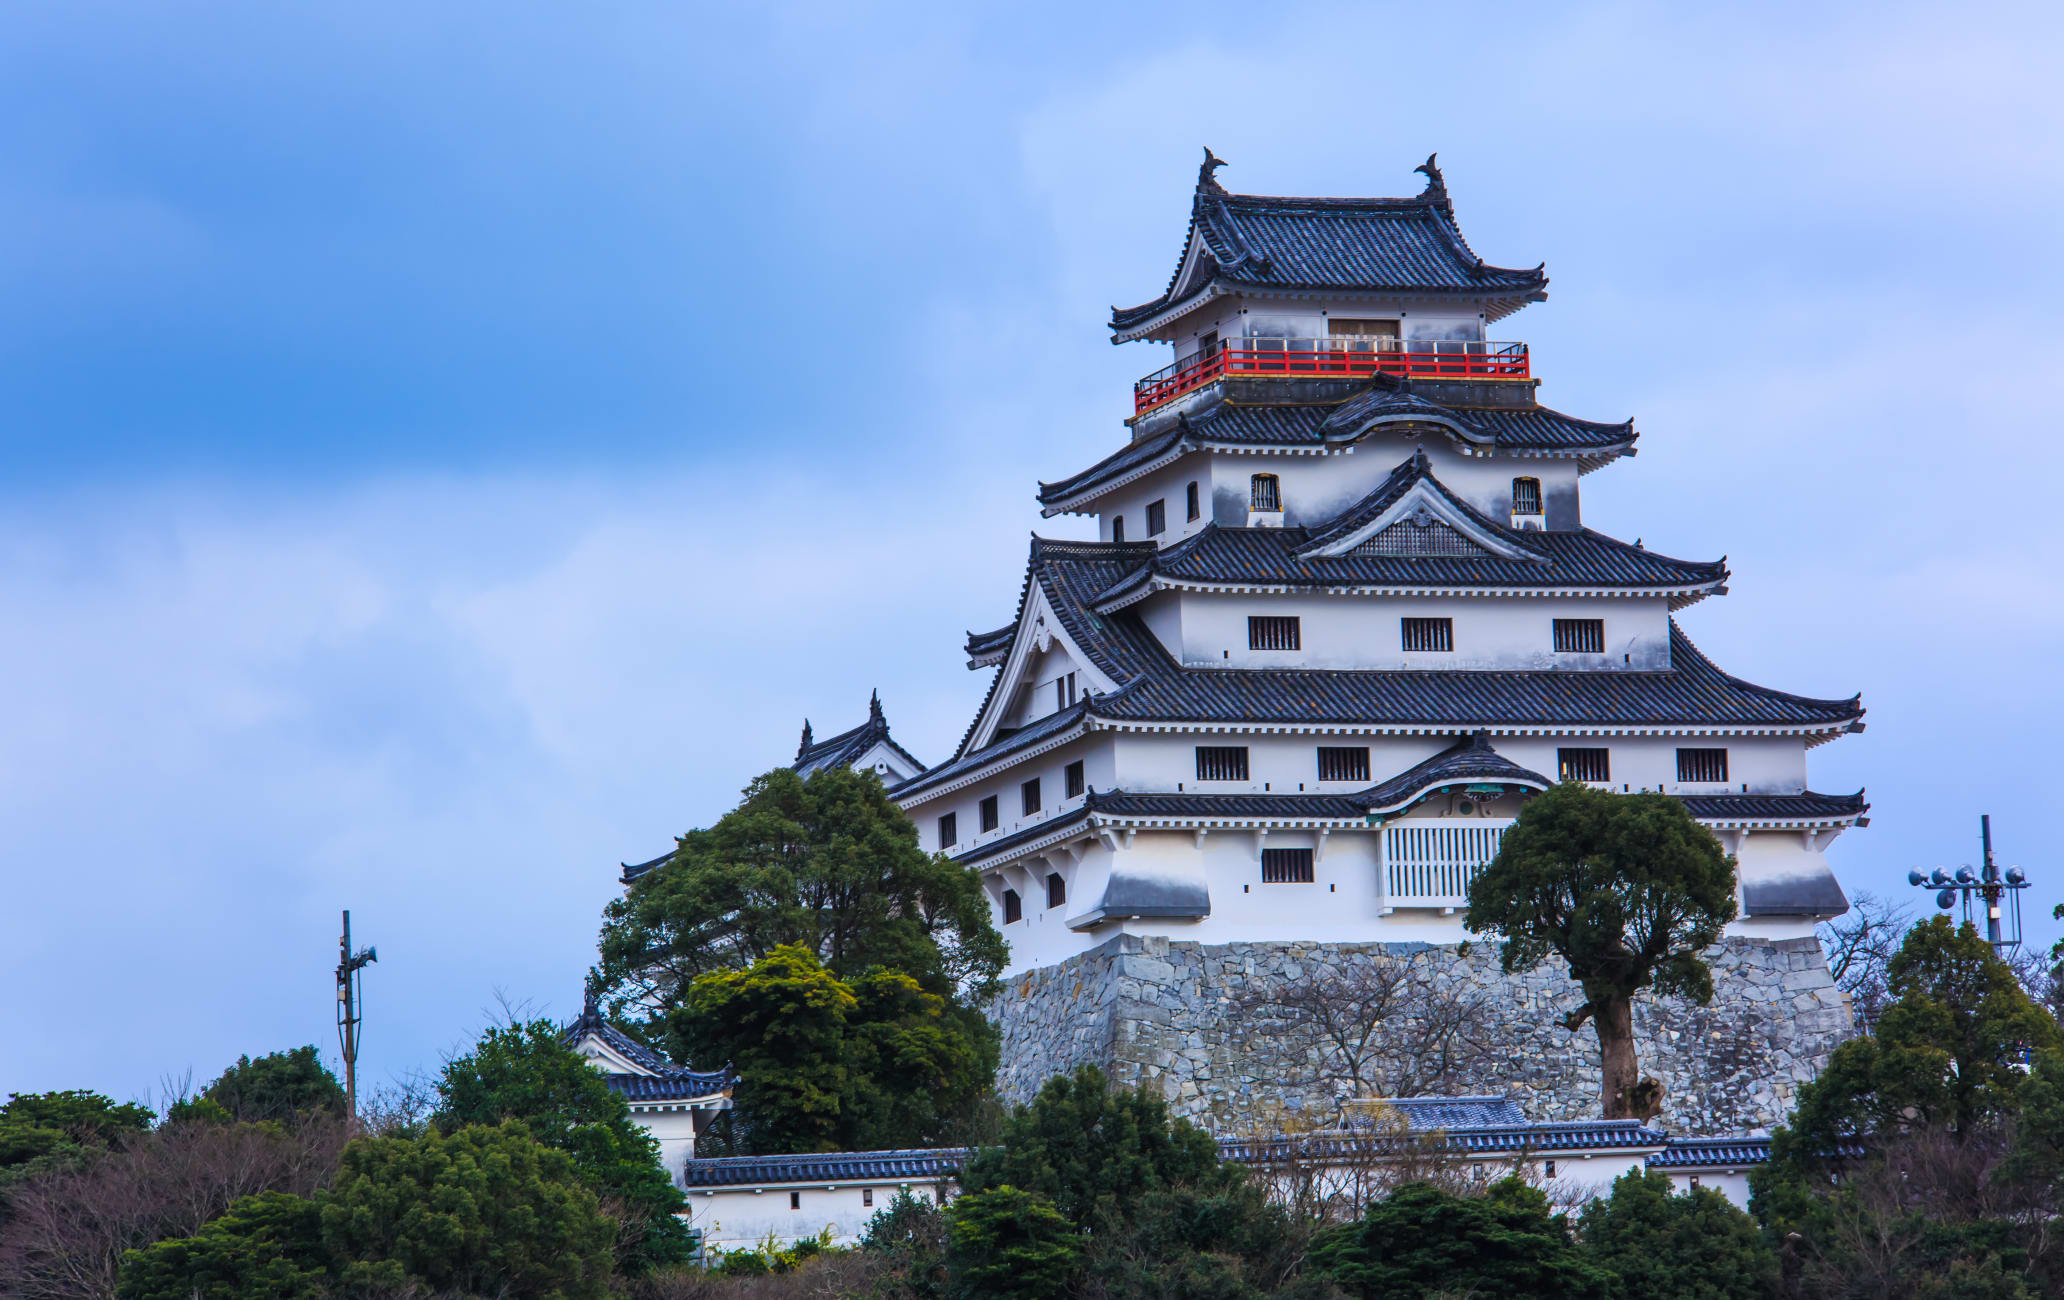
x=1421, y=534
x=1072, y=776
x=1029, y=792
x=1274, y=634
x=1157, y=518
x=1265, y=492
x=1221, y=762
x=1343, y=763
x=1196, y=508
x=1286, y=867
x=1584, y=636
x=1583, y=764
x=1056, y=889
x=1428, y=634
x=1701, y=765
x=988, y=811
x=1526, y=496
x=949, y=830
x=1013, y=907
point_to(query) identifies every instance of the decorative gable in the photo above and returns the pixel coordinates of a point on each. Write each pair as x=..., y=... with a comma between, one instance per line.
x=1423, y=520
x=1419, y=533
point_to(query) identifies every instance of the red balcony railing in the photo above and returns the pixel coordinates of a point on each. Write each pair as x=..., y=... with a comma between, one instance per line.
x=1341, y=357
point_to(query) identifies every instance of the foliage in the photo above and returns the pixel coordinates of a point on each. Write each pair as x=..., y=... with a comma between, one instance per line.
x=483, y=1210
x=771, y=1257
x=268, y=1245
x=830, y=863
x=1011, y=1243
x=1627, y=890
x=1423, y=1241
x=278, y=1086
x=906, y=1243
x=1158, y=1211
x=827, y=1065
x=71, y=1225
x=524, y=1072
x=45, y=1131
x=1859, y=947
x=1663, y=1246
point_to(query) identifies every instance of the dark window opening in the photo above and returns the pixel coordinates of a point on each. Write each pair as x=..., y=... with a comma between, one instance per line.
x=1265, y=493
x=866, y=1197
x=1274, y=634
x=1072, y=776
x=1428, y=633
x=1056, y=889
x=1343, y=763
x=1029, y=792
x=1221, y=762
x=1013, y=907
x=1583, y=636
x=1157, y=518
x=795, y=1200
x=1118, y=528
x=1286, y=867
x=1526, y=496
x=1701, y=765
x=988, y=810
x=949, y=830
x=1583, y=765
x=1195, y=507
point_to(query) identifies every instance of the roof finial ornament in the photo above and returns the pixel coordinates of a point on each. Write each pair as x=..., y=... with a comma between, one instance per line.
x=807, y=742
x=1436, y=188
x=1206, y=179
x=874, y=713
x=589, y=1010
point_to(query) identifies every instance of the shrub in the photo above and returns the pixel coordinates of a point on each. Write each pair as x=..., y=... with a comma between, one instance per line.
x=1422, y=1241
x=1662, y=1246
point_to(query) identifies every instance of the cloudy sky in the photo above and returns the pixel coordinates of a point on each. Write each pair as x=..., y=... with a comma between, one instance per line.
x=446, y=450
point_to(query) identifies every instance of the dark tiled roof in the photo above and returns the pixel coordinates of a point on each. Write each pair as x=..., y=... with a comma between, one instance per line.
x=1692, y=692
x=1730, y=1152
x=1484, y=1139
x=1425, y=1113
x=1471, y=759
x=667, y=1082
x=1363, y=244
x=633, y=870
x=848, y=747
x=1533, y=429
x=1776, y=807
x=830, y=1167
x=982, y=644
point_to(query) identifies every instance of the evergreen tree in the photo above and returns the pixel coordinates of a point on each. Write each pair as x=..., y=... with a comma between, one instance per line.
x=1628, y=891
x=1663, y=1246
x=1013, y=1244
x=278, y=1086
x=1422, y=1242
x=267, y=1246
x=525, y=1073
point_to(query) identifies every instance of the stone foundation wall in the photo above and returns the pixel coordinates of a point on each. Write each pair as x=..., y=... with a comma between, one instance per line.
x=1167, y=1014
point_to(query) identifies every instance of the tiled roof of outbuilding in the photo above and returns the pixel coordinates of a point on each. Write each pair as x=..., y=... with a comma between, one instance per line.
x=1393, y=244
x=848, y=747
x=666, y=1082
x=830, y=1167
x=1424, y=1113
x=1806, y=805
x=1731, y=1152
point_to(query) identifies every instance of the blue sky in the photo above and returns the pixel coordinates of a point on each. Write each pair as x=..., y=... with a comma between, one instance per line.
x=446, y=450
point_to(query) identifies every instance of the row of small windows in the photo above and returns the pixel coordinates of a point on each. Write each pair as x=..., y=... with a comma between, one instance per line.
x=1265, y=492
x=989, y=814
x=1014, y=906
x=1351, y=763
x=1425, y=635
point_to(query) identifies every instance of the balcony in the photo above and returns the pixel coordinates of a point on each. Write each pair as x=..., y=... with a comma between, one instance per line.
x=1431, y=865
x=1343, y=358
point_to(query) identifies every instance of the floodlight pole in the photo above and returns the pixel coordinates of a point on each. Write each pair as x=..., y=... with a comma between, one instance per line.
x=1989, y=887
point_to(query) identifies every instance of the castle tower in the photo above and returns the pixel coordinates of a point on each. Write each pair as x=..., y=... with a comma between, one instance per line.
x=1343, y=618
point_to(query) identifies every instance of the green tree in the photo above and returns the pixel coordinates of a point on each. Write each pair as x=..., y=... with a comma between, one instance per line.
x=830, y=863
x=782, y=1025
x=1421, y=1241
x=1628, y=891
x=524, y=1072
x=1663, y=1246
x=483, y=1211
x=45, y=1131
x=1011, y=1243
x=278, y=1086
x=267, y=1246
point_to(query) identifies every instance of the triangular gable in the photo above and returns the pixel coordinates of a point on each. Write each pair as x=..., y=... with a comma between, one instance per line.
x=603, y=1056
x=1419, y=510
x=1039, y=630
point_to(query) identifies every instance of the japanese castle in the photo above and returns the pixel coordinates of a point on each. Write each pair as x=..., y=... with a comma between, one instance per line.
x=1342, y=617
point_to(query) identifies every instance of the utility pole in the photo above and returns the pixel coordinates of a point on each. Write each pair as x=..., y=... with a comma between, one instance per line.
x=1999, y=894
x=351, y=1011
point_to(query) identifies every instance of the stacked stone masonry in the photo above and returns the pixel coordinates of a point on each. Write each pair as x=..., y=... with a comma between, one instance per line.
x=1165, y=1014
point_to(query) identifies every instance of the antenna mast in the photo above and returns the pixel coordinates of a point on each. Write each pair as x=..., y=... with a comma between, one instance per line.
x=1997, y=893
x=351, y=1010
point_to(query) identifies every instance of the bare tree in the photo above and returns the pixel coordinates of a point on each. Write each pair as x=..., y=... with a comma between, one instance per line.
x=1386, y=1025
x=1859, y=947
